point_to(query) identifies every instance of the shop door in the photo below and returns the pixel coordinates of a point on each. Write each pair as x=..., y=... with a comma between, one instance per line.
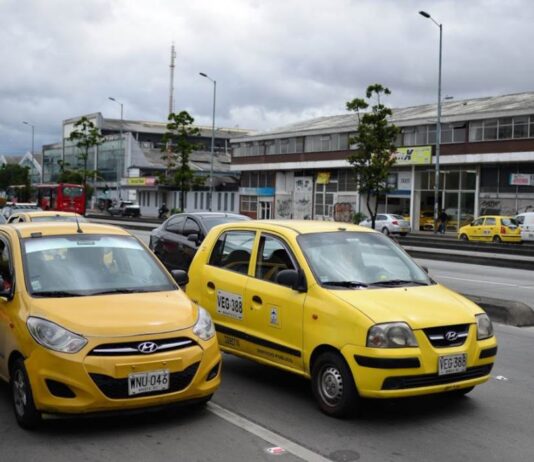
x=265, y=210
x=325, y=198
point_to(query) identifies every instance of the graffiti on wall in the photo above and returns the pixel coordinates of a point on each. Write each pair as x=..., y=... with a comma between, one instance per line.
x=343, y=212
x=284, y=204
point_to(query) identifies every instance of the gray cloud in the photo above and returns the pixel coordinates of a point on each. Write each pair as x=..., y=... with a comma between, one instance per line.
x=275, y=61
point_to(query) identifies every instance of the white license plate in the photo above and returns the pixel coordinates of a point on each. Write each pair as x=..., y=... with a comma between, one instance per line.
x=145, y=382
x=452, y=364
x=229, y=304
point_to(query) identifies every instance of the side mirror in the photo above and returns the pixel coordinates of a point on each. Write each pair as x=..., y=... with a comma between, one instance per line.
x=181, y=277
x=293, y=279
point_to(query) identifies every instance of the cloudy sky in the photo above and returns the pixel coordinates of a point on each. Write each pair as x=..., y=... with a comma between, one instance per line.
x=275, y=61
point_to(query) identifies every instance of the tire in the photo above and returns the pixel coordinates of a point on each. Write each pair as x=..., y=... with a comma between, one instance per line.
x=27, y=415
x=497, y=239
x=333, y=385
x=463, y=237
x=385, y=231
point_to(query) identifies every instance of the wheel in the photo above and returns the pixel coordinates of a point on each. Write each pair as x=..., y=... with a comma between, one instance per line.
x=25, y=411
x=385, y=231
x=463, y=237
x=497, y=239
x=333, y=385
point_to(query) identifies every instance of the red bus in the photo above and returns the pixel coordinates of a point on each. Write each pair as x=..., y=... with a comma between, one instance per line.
x=61, y=196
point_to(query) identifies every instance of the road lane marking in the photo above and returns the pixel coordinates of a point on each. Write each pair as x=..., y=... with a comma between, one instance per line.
x=265, y=434
x=481, y=281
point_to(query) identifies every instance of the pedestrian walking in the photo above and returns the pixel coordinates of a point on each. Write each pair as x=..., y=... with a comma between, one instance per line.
x=443, y=218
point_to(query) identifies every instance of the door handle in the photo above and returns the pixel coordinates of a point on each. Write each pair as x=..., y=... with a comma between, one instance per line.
x=257, y=299
x=211, y=285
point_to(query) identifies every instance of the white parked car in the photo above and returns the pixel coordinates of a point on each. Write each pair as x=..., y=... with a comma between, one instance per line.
x=389, y=223
x=526, y=225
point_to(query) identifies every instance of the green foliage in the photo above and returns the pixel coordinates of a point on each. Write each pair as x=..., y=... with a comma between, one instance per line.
x=86, y=136
x=13, y=174
x=358, y=217
x=372, y=161
x=177, y=150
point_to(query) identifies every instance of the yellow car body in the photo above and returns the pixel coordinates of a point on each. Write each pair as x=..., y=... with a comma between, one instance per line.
x=44, y=215
x=298, y=328
x=491, y=228
x=140, y=345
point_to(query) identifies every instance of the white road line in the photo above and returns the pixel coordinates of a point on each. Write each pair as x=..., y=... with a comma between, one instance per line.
x=483, y=282
x=267, y=435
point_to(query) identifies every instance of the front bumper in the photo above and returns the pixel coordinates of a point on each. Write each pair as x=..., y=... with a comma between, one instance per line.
x=100, y=383
x=403, y=372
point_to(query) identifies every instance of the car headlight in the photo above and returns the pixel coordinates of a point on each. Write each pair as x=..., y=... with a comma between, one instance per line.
x=391, y=335
x=484, y=326
x=204, y=327
x=55, y=337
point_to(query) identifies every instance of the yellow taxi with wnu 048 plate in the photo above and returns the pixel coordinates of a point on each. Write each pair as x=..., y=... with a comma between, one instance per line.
x=491, y=228
x=340, y=304
x=91, y=321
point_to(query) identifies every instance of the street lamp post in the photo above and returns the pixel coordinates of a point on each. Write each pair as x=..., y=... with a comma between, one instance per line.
x=33, y=144
x=120, y=148
x=438, y=121
x=212, y=138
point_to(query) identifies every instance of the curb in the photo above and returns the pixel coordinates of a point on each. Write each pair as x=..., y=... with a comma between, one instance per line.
x=505, y=311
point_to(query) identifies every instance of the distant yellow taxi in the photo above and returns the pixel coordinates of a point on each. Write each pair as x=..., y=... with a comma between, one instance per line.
x=44, y=215
x=491, y=228
x=91, y=321
x=342, y=305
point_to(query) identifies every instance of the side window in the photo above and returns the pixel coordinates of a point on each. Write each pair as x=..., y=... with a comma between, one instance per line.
x=478, y=222
x=490, y=221
x=520, y=219
x=191, y=227
x=232, y=251
x=6, y=271
x=175, y=225
x=273, y=257
x=381, y=218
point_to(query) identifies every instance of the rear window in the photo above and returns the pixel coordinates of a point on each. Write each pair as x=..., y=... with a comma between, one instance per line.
x=72, y=191
x=509, y=222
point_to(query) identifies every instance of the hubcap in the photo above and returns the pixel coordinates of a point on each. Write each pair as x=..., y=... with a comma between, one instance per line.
x=331, y=385
x=20, y=397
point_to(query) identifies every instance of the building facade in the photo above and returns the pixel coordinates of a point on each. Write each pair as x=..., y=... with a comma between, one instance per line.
x=486, y=164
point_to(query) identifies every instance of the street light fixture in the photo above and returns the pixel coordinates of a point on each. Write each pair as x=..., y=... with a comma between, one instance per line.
x=33, y=139
x=438, y=121
x=212, y=138
x=121, y=153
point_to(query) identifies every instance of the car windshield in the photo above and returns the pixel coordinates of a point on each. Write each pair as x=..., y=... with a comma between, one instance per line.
x=210, y=222
x=359, y=259
x=89, y=264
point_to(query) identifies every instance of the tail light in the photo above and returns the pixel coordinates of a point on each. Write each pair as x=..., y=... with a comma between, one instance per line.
x=395, y=222
x=503, y=229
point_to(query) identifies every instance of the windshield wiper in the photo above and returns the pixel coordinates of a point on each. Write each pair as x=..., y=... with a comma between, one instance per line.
x=57, y=293
x=350, y=284
x=398, y=282
x=119, y=291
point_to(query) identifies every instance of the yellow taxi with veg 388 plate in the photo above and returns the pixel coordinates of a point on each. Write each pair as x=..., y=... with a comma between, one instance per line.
x=342, y=305
x=91, y=321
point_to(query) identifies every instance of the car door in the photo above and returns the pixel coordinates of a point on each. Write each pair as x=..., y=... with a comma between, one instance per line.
x=475, y=230
x=274, y=311
x=224, y=279
x=381, y=222
x=8, y=308
x=169, y=244
x=190, y=245
x=489, y=229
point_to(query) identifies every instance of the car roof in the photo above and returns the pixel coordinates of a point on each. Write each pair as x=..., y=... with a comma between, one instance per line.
x=62, y=228
x=46, y=213
x=297, y=226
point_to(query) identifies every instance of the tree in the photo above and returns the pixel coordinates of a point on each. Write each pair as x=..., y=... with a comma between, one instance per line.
x=374, y=138
x=177, y=149
x=13, y=175
x=86, y=136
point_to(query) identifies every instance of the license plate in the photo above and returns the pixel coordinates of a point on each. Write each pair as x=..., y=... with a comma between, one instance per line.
x=452, y=364
x=405, y=230
x=146, y=382
x=229, y=304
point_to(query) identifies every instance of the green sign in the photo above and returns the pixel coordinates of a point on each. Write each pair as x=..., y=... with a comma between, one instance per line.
x=421, y=155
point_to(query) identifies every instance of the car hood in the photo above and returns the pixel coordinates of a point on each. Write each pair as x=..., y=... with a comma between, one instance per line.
x=420, y=307
x=119, y=315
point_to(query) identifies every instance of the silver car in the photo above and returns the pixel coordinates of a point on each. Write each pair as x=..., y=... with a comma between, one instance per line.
x=389, y=223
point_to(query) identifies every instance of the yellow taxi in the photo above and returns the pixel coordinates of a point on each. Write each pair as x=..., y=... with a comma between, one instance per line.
x=342, y=305
x=44, y=215
x=426, y=221
x=90, y=321
x=491, y=228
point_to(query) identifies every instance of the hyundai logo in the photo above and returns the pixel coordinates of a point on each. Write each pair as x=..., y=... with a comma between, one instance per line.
x=147, y=347
x=451, y=336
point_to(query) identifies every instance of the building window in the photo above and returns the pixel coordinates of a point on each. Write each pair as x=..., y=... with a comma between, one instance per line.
x=249, y=203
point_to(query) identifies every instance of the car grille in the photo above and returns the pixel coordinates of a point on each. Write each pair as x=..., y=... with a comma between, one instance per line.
x=118, y=388
x=416, y=381
x=447, y=336
x=132, y=348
